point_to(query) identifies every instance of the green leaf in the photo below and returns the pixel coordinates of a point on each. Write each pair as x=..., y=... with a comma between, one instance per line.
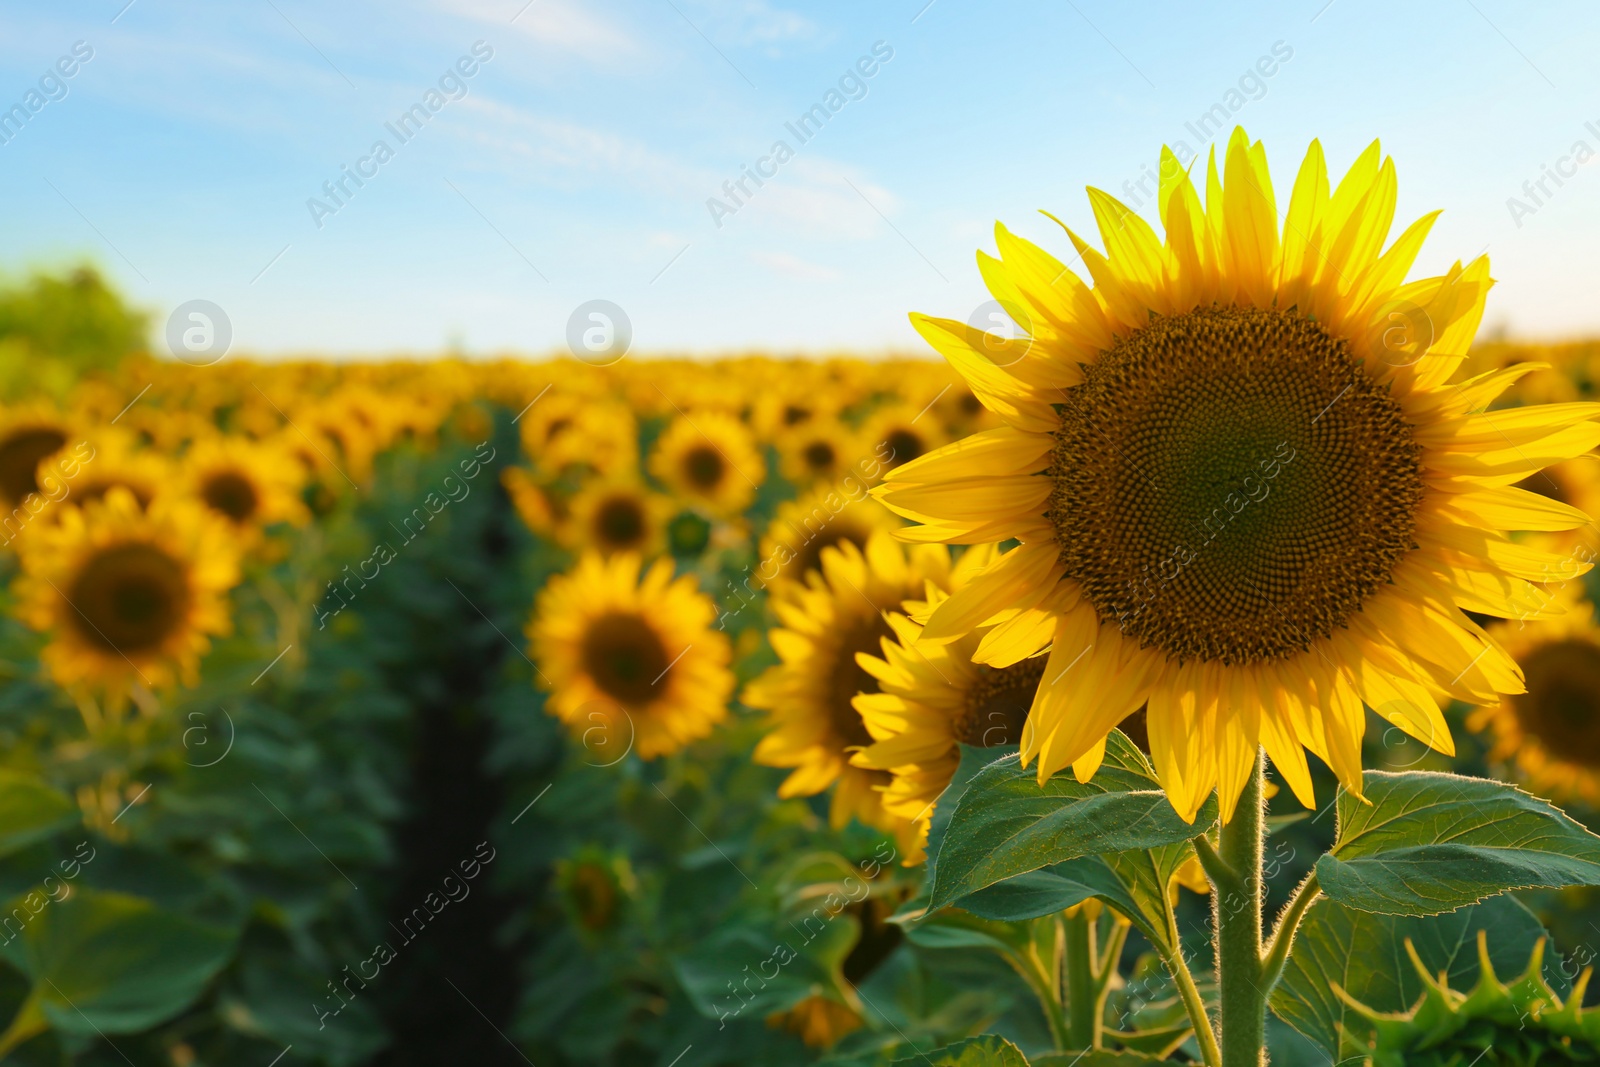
x=1005, y=824
x=973, y=760
x=1366, y=955
x=986, y=1051
x=1428, y=843
x=29, y=810
x=749, y=973
x=112, y=963
x=1094, y=1058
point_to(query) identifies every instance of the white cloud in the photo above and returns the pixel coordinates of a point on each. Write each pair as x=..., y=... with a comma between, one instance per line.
x=794, y=266
x=753, y=22
x=561, y=24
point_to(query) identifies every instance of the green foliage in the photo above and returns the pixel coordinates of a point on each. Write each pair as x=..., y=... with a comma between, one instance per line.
x=1004, y=824
x=1425, y=843
x=30, y=809
x=1524, y=1023
x=57, y=327
x=1365, y=955
x=107, y=963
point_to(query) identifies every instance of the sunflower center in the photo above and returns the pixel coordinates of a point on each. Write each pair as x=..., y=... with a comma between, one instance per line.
x=1230, y=485
x=794, y=415
x=20, y=454
x=848, y=678
x=703, y=467
x=129, y=598
x=819, y=456
x=905, y=445
x=620, y=522
x=231, y=493
x=625, y=657
x=1562, y=705
x=997, y=707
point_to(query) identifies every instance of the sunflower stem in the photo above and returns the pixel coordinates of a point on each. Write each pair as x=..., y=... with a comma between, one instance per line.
x=1237, y=917
x=1083, y=1021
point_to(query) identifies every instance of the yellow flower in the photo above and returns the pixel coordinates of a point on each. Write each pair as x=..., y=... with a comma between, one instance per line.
x=818, y=450
x=1244, y=486
x=617, y=515
x=818, y=1021
x=129, y=595
x=709, y=459
x=541, y=510
x=900, y=433
x=29, y=434
x=1551, y=732
x=801, y=528
x=934, y=698
x=826, y=624
x=248, y=484
x=631, y=662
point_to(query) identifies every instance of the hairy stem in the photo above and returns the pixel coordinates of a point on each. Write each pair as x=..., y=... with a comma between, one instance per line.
x=1237, y=904
x=1083, y=1017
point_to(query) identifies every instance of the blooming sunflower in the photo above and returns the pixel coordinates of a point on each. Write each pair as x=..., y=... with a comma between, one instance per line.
x=818, y=450
x=1551, y=732
x=248, y=484
x=801, y=528
x=617, y=515
x=1576, y=482
x=899, y=433
x=28, y=434
x=709, y=459
x=611, y=643
x=934, y=698
x=129, y=595
x=116, y=460
x=1245, y=489
x=826, y=624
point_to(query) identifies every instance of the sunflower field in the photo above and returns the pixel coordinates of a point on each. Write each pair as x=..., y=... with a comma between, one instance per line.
x=1206, y=673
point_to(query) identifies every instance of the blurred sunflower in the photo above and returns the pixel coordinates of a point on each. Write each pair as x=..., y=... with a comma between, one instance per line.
x=617, y=514
x=801, y=528
x=827, y=624
x=710, y=460
x=819, y=1021
x=931, y=700
x=29, y=433
x=250, y=485
x=899, y=433
x=128, y=595
x=819, y=450
x=542, y=509
x=1551, y=732
x=1244, y=492
x=632, y=656
x=118, y=461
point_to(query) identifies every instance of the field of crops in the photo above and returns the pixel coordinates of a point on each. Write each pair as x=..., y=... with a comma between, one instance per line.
x=486, y=712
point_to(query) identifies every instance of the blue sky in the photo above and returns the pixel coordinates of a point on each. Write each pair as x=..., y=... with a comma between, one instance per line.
x=577, y=161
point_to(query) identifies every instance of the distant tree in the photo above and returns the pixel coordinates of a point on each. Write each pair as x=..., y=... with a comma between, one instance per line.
x=56, y=327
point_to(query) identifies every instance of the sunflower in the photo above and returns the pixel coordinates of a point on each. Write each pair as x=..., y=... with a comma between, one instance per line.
x=1551, y=732
x=826, y=624
x=617, y=515
x=29, y=434
x=792, y=546
x=896, y=434
x=116, y=460
x=934, y=698
x=818, y=1021
x=129, y=595
x=1245, y=489
x=709, y=459
x=631, y=659
x=541, y=509
x=248, y=484
x=818, y=450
